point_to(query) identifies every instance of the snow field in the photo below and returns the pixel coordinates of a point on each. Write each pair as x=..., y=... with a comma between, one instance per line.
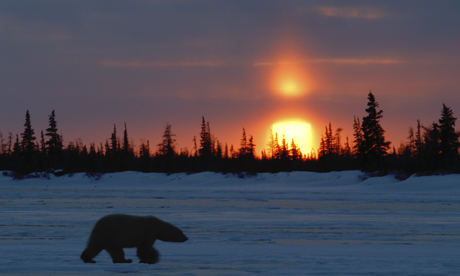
x=298, y=223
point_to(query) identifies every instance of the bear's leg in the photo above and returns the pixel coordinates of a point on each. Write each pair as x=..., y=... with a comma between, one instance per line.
x=147, y=255
x=89, y=253
x=118, y=255
x=152, y=256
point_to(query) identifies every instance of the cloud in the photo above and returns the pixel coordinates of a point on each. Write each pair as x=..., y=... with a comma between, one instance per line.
x=138, y=64
x=349, y=12
x=359, y=61
x=351, y=61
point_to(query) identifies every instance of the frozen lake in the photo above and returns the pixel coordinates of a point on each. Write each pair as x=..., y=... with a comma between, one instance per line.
x=296, y=223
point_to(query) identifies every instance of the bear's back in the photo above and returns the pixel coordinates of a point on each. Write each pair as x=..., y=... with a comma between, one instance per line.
x=120, y=230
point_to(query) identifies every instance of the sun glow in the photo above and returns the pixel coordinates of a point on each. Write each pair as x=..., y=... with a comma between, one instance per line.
x=298, y=130
x=290, y=80
x=289, y=75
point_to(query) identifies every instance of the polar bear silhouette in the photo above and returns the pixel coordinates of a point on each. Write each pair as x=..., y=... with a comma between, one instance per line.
x=117, y=231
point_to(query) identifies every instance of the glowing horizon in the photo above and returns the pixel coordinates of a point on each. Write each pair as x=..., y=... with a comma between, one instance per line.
x=298, y=130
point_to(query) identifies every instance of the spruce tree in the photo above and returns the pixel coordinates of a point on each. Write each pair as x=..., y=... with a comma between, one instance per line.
x=54, y=143
x=28, y=137
x=358, y=134
x=113, y=141
x=284, y=149
x=243, y=145
x=449, y=143
x=295, y=151
x=17, y=149
x=338, y=141
x=373, y=146
x=126, y=148
x=251, y=148
x=205, y=150
x=219, y=151
x=418, y=138
x=167, y=146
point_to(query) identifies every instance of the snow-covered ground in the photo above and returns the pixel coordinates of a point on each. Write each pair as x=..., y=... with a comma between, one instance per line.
x=297, y=223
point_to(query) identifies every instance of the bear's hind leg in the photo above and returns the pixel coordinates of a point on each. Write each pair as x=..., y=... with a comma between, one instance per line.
x=118, y=255
x=89, y=253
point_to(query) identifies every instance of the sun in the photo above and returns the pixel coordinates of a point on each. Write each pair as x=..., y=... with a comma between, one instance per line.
x=290, y=74
x=298, y=130
x=290, y=80
x=290, y=87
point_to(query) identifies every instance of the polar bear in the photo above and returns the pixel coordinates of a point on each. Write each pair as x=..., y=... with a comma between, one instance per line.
x=117, y=231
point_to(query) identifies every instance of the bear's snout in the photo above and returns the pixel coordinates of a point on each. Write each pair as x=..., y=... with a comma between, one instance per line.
x=184, y=238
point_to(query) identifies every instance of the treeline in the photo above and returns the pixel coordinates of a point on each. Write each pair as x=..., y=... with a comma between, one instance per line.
x=428, y=150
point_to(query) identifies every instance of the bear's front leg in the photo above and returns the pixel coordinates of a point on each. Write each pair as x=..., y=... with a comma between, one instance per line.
x=118, y=255
x=147, y=255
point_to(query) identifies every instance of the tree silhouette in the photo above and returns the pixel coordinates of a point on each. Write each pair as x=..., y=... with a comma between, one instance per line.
x=358, y=134
x=251, y=148
x=28, y=137
x=28, y=147
x=205, y=150
x=418, y=138
x=373, y=147
x=54, y=144
x=113, y=142
x=448, y=137
x=295, y=151
x=243, y=145
x=167, y=146
x=126, y=148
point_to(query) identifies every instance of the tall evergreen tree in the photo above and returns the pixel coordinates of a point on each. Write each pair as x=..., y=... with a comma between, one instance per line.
x=284, y=149
x=17, y=149
x=54, y=143
x=126, y=148
x=251, y=147
x=42, y=148
x=226, y=151
x=167, y=146
x=10, y=143
x=113, y=142
x=431, y=149
x=295, y=151
x=418, y=138
x=28, y=137
x=243, y=145
x=373, y=146
x=205, y=150
x=358, y=134
x=338, y=141
x=322, y=147
x=449, y=143
x=329, y=140
x=219, y=151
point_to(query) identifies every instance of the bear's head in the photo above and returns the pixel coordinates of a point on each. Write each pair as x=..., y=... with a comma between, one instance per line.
x=170, y=233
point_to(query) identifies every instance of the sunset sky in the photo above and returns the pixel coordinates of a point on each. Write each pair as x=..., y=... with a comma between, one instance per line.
x=239, y=64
